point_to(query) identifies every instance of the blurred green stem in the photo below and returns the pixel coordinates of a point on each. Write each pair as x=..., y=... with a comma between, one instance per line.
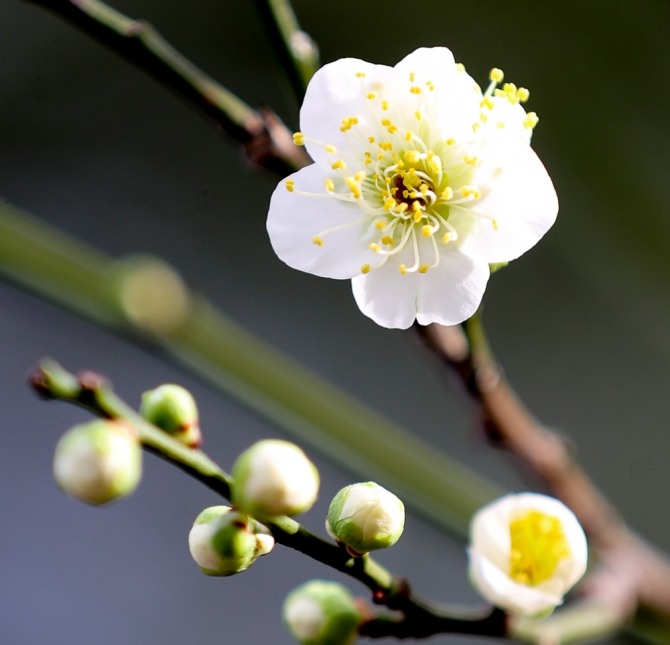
x=298, y=53
x=84, y=280
x=259, y=132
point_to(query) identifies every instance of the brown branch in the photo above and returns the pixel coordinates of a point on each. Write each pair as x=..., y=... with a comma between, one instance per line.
x=263, y=137
x=631, y=574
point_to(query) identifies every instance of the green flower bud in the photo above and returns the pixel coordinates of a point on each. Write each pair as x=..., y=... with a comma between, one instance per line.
x=321, y=613
x=365, y=517
x=98, y=461
x=172, y=408
x=224, y=542
x=274, y=478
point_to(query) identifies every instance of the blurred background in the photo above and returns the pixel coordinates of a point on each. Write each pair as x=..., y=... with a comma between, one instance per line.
x=580, y=323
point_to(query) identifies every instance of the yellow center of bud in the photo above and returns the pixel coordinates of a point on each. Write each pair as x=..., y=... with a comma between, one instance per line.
x=538, y=545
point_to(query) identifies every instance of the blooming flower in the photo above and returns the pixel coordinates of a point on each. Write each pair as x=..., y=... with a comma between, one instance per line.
x=420, y=180
x=365, y=517
x=526, y=552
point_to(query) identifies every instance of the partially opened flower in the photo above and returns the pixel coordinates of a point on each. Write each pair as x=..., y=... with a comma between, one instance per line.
x=527, y=551
x=419, y=182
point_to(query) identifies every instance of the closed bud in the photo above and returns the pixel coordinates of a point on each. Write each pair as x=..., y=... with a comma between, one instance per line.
x=172, y=408
x=274, y=478
x=321, y=613
x=365, y=517
x=224, y=542
x=98, y=461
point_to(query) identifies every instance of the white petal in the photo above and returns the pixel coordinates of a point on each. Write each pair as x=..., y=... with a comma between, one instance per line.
x=294, y=220
x=387, y=297
x=518, y=196
x=334, y=93
x=453, y=106
x=447, y=294
x=451, y=292
x=505, y=118
x=500, y=590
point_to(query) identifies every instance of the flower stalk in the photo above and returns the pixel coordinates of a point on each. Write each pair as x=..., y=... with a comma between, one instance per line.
x=92, y=392
x=298, y=53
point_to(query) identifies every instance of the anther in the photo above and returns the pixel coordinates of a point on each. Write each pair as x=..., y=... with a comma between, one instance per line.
x=424, y=268
x=299, y=138
x=365, y=269
x=496, y=75
x=317, y=240
x=373, y=246
x=290, y=185
x=339, y=165
x=330, y=186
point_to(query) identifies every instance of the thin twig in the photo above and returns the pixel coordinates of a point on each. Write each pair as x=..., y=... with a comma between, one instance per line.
x=419, y=618
x=631, y=574
x=298, y=53
x=263, y=137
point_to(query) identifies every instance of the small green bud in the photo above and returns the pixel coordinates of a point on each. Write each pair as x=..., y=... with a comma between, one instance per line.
x=224, y=542
x=365, y=517
x=98, y=461
x=172, y=408
x=321, y=613
x=273, y=478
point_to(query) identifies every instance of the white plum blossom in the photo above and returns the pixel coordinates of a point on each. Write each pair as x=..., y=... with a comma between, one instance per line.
x=420, y=181
x=527, y=551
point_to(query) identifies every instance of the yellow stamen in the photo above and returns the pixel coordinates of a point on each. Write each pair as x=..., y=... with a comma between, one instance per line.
x=538, y=545
x=290, y=185
x=299, y=138
x=365, y=269
x=317, y=240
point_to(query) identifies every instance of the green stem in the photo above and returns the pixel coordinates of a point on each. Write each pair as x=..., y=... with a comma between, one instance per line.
x=213, y=346
x=92, y=392
x=298, y=53
x=139, y=43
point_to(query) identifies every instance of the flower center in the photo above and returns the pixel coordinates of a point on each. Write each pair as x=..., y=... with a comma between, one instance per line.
x=538, y=545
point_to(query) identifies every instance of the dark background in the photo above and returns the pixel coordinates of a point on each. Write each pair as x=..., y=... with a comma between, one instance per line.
x=580, y=323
